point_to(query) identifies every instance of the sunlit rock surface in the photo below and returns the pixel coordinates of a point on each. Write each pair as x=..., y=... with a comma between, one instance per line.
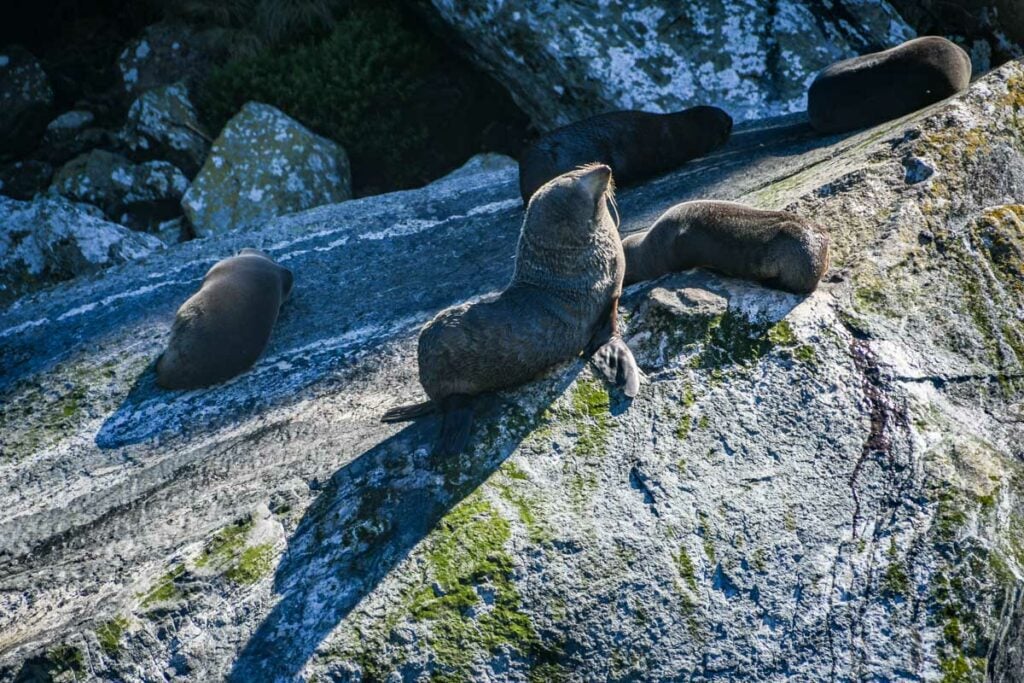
x=264, y=164
x=563, y=61
x=820, y=488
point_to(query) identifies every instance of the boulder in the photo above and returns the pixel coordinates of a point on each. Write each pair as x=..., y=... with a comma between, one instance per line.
x=566, y=61
x=164, y=53
x=136, y=195
x=50, y=239
x=25, y=100
x=71, y=134
x=264, y=164
x=805, y=488
x=485, y=162
x=25, y=179
x=163, y=124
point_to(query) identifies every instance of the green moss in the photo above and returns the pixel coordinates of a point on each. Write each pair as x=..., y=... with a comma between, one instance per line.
x=805, y=353
x=685, y=566
x=109, y=634
x=165, y=589
x=895, y=582
x=734, y=339
x=65, y=660
x=709, y=549
x=782, y=334
x=684, y=426
x=525, y=507
x=253, y=564
x=467, y=552
x=226, y=544
x=703, y=422
x=590, y=405
x=949, y=518
x=961, y=669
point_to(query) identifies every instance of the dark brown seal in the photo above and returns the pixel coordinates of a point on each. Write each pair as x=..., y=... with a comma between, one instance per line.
x=777, y=248
x=882, y=86
x=635, y=144
x=223, y=328
x=562, y=298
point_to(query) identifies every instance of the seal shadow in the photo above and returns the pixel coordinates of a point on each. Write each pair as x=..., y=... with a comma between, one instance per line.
x=368, y=518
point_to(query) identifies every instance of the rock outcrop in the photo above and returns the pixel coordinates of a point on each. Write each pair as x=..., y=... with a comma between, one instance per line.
x=136, y=195
x=165, y=53
x=565, y=61
x=264, y=164
x=163, y=124
x=819, y=488
x=51, y=239
x=25, y=100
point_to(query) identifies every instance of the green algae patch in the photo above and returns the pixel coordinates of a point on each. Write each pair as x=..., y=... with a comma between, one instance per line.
x=686, y=570
x=109, y=634
x=467, y=559
x=254, y=563
x=226, y=544
x=590, y=416
x=512, y=493
x=895, y=581
x=66, y=663
x=165, y=589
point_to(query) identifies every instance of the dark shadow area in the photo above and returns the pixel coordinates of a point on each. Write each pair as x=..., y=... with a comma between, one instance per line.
x=369, y=517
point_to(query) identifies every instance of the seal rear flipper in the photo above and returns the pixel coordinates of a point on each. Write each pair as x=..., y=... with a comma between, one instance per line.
x=457, y=423
x=616, y=363
x=411, y=412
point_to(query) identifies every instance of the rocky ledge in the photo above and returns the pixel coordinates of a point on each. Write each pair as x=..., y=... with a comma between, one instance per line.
x=815, y=488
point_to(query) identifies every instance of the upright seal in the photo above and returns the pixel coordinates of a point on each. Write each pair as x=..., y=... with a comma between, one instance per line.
x=563, y=297
x=777, y=248
x=635, y=144
x=881, y=86
x=223, y=328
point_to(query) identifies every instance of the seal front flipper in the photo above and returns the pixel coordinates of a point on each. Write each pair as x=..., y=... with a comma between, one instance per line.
x=458, y=411
x=616, y=363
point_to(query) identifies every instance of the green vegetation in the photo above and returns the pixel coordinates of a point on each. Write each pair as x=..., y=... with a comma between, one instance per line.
x=590, y=416
x=109, y=634
x=165, y=589
x=685, y=566
x=467, y=551
x=895, y=582
x=253, y=564
x=226, y=544
x=65, y=661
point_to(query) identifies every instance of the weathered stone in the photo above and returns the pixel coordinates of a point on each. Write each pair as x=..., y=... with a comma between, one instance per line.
x=163, y=124
x=566, y=61
x=486, y=162
x=264, y=164
x=25, y=100
x=51, y=239
x=136, y=195
x=24, y=179
x=814, y=488
x=165, y=53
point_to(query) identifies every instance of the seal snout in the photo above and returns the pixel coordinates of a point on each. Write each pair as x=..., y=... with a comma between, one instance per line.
x=596, y=179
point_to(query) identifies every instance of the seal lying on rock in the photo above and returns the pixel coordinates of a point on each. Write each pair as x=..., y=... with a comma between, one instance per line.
x=881, y=86
x=223, y=328
x=777, y=248
x=563, y=297
x=635, y=144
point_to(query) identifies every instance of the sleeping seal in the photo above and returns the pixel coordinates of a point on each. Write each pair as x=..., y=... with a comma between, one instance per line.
x=635, y=144
x=223, y=328
x=877, y=87
x=777, y=248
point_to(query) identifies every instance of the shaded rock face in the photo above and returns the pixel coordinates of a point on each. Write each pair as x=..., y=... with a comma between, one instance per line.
x=165, y=53
x=565, y=61
x=136, y=195
x=992, y=31
x=24, y=179
x=51, y=239
x=264, y=164
x=804, y=488
x=25, y=100
x=163, y=124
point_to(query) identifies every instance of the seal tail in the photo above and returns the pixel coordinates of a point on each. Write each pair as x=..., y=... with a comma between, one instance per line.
x=411, y=412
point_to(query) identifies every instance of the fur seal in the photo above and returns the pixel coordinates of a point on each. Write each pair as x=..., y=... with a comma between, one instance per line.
x=882, y=86
x=777, y=248
x=635, y=144
x=223, y=328
x=561, y=301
